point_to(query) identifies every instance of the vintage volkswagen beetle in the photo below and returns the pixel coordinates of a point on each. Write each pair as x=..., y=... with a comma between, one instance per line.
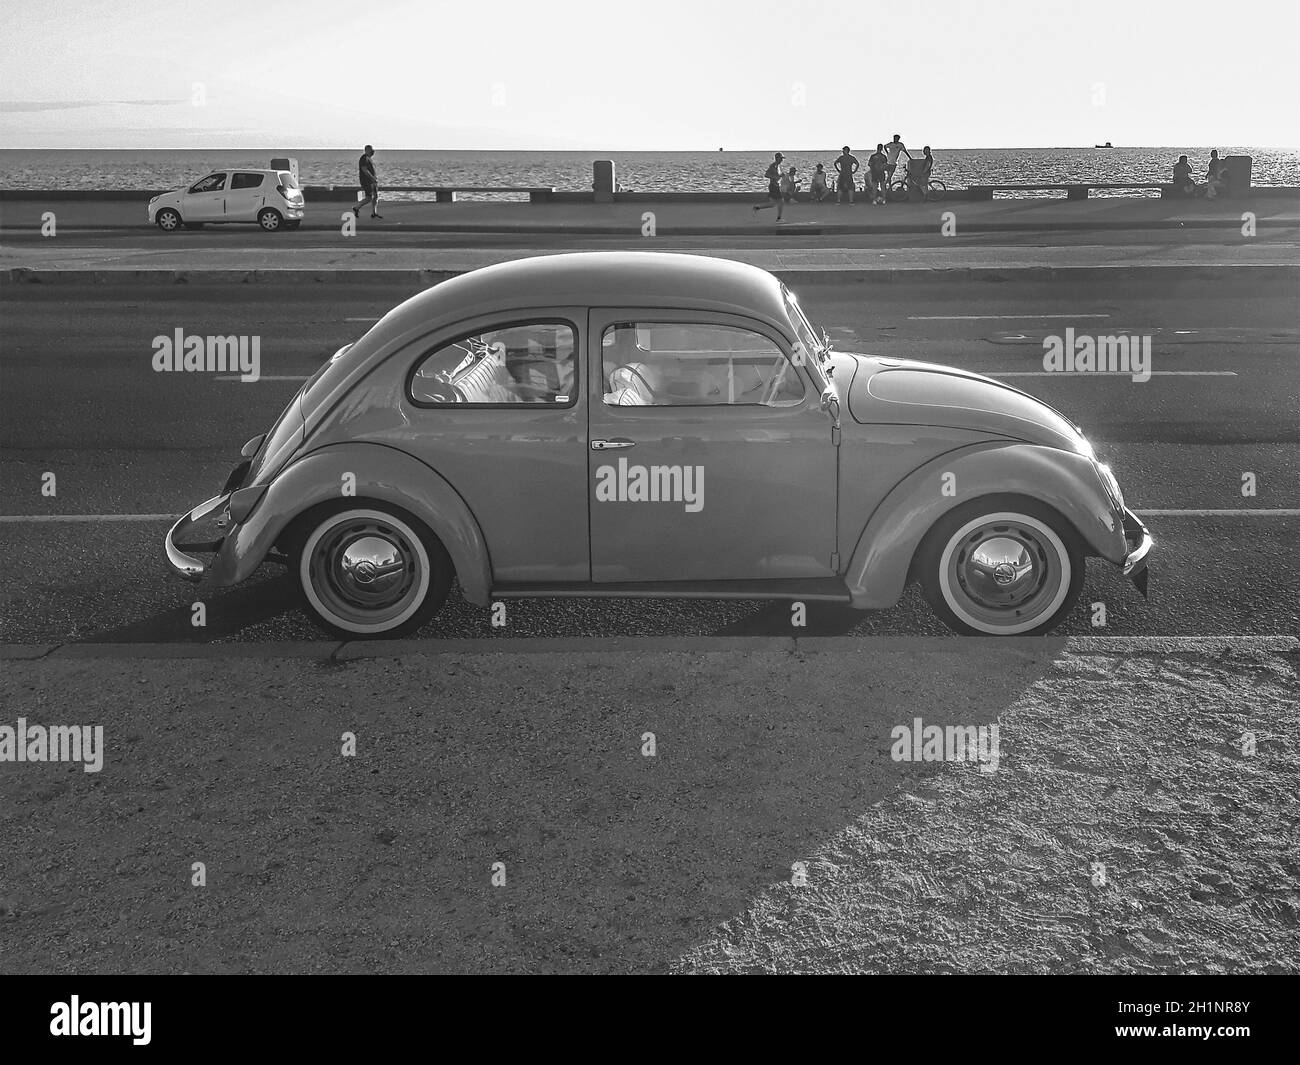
x=643, y=423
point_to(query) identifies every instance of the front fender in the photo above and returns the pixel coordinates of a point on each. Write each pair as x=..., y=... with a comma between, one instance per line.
x=383, y=474
x=1063, y=480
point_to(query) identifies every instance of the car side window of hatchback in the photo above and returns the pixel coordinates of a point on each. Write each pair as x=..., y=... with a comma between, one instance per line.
x=680, y=364
x=507, y=365
x=246, y=181
x=211, y=183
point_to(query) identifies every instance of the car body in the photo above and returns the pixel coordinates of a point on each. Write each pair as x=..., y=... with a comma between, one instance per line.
x=655, y=424
x=268, y=198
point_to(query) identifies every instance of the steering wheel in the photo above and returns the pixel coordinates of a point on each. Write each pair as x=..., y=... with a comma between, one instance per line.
x=779, y=371
x=640, y=377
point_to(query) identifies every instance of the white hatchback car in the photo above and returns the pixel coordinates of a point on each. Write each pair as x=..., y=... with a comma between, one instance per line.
x=271, y=198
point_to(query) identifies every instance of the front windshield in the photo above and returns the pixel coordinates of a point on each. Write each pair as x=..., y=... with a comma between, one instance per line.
x=809, y=337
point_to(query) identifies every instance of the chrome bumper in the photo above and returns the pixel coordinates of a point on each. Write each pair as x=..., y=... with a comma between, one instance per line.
x=1135, y=562
x=202, y=529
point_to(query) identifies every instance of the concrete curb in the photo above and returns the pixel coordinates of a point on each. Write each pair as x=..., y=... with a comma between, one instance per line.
x=831, y=275
x=794, y=228
x=1217, y=646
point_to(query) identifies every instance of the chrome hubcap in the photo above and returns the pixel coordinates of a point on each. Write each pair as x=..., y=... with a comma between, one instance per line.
x=1005, y=574
x=999, y=571
x=366, y=572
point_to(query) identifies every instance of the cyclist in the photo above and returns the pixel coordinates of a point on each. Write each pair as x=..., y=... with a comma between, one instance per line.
x=892, y=150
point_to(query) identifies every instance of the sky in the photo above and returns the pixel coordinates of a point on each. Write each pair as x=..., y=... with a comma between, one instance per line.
x=666, y=75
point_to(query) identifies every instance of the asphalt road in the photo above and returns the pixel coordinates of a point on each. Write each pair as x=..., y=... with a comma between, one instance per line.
x=80, y=400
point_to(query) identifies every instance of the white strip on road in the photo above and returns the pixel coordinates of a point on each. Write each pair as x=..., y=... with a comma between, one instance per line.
x=264, y=377
x=1254, y=512
x=15, y=518
x=992, y=317
x=1107, y=373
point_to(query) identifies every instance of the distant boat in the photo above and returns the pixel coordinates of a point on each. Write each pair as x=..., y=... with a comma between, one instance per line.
x=1106, y=145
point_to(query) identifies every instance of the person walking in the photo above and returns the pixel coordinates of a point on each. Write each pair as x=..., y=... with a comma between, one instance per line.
x=774, y=197
x=846, y=166
x=369, y=183
x=877, y=187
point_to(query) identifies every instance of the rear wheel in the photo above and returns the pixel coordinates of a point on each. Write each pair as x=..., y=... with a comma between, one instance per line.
x=1001, y=566
x=367, y=570
x=935, y=191
x=270, y=219
x=898, y=191
x=168, y=220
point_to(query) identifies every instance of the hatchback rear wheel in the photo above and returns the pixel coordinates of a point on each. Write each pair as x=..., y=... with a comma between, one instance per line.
x=367, y=571
x=270, y=219
x=1002, y=566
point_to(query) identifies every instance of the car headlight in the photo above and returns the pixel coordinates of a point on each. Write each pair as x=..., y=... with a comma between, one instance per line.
x=1112, y=485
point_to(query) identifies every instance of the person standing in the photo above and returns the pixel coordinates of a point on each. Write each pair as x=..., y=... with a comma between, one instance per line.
x=927, y=167
x=892, y=151
x=1183, y=183
x=818, y=187
x=369, y=183
x=1214, y=175
x=774, y=197
x=877, y=187
x=846, y=166
x=790, y=183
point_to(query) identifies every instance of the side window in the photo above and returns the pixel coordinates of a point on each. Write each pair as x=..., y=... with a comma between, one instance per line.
x=668, y=364
x=522, y=362
x=246, y=181
x=211, y=183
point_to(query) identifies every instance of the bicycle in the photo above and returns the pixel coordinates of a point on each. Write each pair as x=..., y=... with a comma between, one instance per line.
x=900, y=191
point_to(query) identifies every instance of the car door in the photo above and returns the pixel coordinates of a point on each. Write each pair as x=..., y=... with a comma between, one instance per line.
x=245, y=197
x=205, y=200
x=710, y=457
x=498, y=411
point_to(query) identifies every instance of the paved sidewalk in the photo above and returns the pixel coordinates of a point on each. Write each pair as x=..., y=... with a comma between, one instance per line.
x=685, y=219
x=355, y=263
x=349, y=815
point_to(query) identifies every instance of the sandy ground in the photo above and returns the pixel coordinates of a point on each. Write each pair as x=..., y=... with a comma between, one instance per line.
x=617, y=862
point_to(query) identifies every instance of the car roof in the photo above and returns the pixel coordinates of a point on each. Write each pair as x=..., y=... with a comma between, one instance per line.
x=632, y=279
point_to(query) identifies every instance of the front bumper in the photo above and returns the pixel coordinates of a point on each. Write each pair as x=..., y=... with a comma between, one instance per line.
x=203, y=529
x=1140, y=543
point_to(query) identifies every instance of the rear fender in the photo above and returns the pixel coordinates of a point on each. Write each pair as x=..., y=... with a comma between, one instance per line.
x=378, y=473
x=1063, y=480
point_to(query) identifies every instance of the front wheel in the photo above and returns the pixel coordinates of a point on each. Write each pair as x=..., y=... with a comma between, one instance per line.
x=270, y=219
x=935, y=191
x=1001, y=566
x=367, y=571
x=168, y=221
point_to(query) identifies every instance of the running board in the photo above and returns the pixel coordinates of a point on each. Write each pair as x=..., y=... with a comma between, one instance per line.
x=815, y=589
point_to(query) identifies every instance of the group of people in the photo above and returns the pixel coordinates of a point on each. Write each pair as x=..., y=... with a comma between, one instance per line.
x=783, y=183
x=1216, y=177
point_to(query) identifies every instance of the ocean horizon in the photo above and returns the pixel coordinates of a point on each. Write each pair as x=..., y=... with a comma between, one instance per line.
x=652, y=171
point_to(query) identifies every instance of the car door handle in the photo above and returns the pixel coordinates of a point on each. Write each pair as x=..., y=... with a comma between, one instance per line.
x=609, y=445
